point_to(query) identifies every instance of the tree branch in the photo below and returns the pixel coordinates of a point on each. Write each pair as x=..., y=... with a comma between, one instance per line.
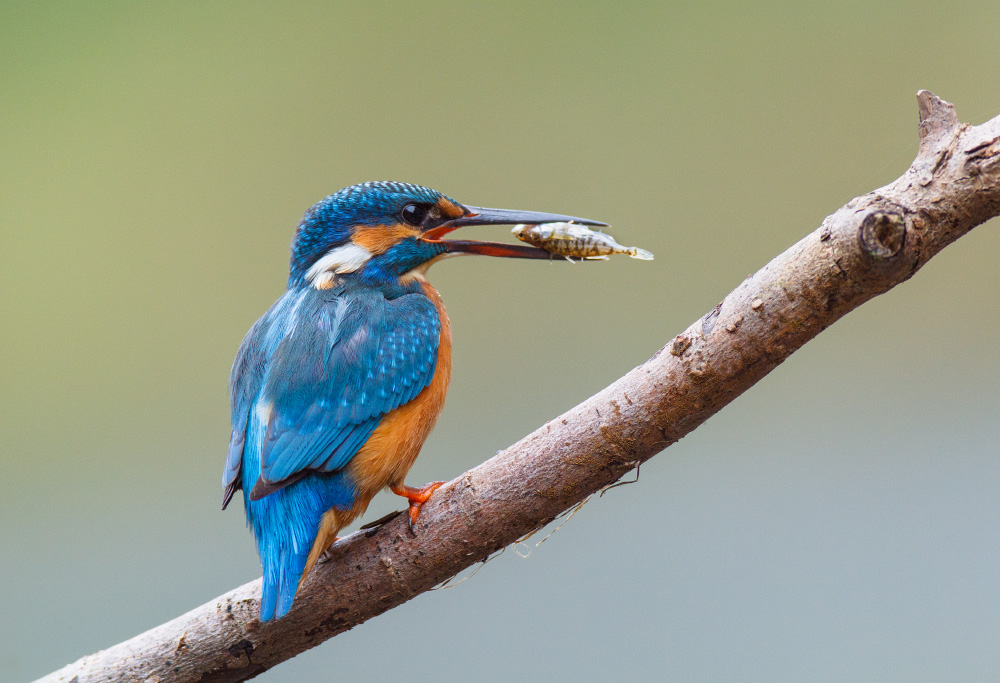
x=867, y=247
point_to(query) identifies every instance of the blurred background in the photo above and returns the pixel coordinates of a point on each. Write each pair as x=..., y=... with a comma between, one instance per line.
x=837, y=522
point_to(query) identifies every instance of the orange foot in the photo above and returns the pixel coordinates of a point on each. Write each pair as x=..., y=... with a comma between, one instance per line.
x=417, y=497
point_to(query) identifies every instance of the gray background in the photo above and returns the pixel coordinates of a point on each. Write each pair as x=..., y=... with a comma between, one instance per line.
x=837, y=522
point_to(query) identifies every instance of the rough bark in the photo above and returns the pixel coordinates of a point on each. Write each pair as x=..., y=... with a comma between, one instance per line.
x=867, y=247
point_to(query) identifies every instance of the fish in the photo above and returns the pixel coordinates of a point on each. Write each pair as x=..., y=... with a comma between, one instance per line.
x=572, y=240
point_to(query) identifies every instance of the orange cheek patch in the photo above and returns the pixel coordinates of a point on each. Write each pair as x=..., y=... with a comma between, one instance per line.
x=378, y=238
x=450, y=209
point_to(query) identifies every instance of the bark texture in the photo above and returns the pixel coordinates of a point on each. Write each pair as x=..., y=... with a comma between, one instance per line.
x=867, y=247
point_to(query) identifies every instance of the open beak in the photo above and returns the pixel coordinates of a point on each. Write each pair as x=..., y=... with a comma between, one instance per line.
x=479, y=216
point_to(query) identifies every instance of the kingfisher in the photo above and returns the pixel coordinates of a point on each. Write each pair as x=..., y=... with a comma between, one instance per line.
x=336, y=387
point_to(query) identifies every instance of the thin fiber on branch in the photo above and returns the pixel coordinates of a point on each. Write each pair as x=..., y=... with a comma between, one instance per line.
x=867, y=247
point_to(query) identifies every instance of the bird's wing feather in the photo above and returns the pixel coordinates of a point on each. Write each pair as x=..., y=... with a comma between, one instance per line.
x=340, y=364
x=246, y=379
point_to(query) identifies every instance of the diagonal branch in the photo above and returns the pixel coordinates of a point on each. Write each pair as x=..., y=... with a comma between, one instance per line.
x=867, y=247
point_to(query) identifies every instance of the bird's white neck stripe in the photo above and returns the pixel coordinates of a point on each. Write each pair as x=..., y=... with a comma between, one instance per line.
x=344, y=259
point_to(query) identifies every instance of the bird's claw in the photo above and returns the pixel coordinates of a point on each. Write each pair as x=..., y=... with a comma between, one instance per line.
x=327, y=554
x=417, y=497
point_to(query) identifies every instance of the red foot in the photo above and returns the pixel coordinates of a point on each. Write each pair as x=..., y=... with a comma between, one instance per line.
x=417, y=497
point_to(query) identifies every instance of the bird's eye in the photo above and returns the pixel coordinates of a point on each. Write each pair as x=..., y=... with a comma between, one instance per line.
x=414, y=214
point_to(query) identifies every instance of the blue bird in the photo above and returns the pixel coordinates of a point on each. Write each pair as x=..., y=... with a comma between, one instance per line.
x=336, y=387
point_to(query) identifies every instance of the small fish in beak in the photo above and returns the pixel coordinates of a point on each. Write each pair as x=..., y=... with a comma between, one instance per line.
x=570, y=240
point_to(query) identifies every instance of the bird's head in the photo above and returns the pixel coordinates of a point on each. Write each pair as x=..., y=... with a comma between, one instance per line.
x=384, y=231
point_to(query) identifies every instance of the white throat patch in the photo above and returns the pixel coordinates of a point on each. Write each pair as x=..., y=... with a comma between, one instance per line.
x=344, y=259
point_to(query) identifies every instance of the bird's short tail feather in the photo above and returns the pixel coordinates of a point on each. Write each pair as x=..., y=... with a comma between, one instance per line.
x=286, y=524
x=282, y=573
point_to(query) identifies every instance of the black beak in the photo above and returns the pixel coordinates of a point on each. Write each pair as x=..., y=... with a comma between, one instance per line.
x=479, y=216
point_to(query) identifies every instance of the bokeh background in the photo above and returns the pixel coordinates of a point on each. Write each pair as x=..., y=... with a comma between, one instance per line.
x=837, y=522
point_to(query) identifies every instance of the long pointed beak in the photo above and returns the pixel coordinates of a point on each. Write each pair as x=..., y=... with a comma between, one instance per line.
x=482, y=216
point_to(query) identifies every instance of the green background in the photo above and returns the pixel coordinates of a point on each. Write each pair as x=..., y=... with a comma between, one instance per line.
x=837, y=522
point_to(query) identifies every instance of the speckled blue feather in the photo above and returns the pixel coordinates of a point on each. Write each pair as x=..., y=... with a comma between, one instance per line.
x=312, y=380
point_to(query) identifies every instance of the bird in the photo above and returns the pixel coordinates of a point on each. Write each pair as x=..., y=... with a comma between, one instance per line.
x=335, y=388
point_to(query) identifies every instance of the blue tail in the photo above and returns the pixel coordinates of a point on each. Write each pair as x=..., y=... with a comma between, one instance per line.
x=282, y=573
x=285, y=524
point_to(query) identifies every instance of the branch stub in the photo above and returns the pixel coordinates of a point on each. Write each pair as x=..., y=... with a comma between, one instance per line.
x=937, y=117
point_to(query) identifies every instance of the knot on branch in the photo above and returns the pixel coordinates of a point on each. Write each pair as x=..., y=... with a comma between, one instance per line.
x=882, y=235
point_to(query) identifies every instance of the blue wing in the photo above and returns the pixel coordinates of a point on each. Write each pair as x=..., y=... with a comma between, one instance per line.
x=319, y=370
